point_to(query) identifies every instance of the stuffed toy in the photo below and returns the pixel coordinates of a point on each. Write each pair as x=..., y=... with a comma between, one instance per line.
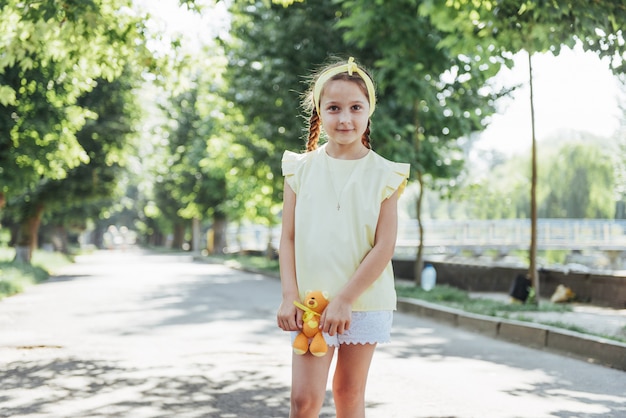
x=313, y=305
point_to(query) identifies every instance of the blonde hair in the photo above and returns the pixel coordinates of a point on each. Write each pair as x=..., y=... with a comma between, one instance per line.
x=315, y=122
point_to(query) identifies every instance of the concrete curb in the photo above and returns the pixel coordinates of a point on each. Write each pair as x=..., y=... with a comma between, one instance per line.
x=585, y=347
x=582, y=346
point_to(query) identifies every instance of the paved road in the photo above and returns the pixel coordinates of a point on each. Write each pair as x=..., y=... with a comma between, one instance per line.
x=125, y=335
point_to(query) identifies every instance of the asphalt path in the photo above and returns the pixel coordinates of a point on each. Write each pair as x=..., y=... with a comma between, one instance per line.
x=135, y=335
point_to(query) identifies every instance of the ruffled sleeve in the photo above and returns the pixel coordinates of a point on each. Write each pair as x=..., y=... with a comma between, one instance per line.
x=290, y=163
x=397, y=179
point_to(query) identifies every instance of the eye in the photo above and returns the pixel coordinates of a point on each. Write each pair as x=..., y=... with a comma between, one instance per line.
x=357, y=107
x=333, y=108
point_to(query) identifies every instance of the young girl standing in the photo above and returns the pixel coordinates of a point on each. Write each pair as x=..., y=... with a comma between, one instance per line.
x=338, y=235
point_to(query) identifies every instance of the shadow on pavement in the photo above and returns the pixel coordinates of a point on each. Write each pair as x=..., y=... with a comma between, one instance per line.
x=512, y=370
x=101, y=389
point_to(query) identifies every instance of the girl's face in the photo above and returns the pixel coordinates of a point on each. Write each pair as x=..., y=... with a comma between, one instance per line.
x=344, y=112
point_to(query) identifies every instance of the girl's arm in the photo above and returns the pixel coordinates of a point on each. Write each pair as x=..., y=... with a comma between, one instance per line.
x=336, y=317
x=289, y=317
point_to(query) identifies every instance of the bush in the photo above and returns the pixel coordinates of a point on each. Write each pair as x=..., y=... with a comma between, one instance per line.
x=15, y=276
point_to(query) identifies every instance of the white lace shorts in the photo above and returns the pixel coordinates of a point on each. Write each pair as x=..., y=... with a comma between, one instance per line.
x=371, y=327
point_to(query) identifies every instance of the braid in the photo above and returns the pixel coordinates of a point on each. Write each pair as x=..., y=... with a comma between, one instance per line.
x=365, y=139
x=314, y=131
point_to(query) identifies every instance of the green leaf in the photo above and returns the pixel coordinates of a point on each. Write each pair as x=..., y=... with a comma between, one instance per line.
x=7, y=96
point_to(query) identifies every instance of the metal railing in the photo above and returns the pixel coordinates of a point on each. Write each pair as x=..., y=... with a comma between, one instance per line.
x=571, y=234
x=602, y=234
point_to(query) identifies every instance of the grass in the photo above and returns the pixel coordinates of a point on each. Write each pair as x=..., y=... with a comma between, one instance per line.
x=460, y=299
x=15, y=276
x=255, y=262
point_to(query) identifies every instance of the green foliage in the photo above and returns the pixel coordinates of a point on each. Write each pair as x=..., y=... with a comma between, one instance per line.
x=510, y=26
x=200, y=168
x=502, y=192
x=577, y=181
x=552, y=257
x=460, y=299
x=430, y=95
x=507, y=27
x=249, y=262
x=44, y=69
x=439, y=294
x=15, y=276
x=272, y=51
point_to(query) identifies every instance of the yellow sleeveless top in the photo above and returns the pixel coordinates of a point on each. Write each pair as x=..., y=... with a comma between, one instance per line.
x=337, y=208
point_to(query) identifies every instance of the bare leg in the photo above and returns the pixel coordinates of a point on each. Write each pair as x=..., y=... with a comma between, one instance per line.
x=353, y=364
x=309, y=375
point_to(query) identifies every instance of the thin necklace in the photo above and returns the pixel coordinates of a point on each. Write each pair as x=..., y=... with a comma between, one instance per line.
x=332, y=181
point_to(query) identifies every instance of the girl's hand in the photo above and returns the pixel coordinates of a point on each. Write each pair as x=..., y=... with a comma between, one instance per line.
x=336, y=317
x=289, y=317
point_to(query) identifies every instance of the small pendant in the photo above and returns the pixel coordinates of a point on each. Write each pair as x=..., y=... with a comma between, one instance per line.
x=338, y=206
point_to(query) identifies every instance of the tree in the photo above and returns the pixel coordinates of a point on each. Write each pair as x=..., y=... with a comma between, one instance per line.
x=44, y=69
x=191, y=182
x=271, y=51
x=87, y=189
x=432, y=98
x=203, y=166
x=507, y=27
x=578, y=182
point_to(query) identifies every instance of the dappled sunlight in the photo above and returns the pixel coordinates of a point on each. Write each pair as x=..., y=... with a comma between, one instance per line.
x=92, y=388
x=416, y=342
x=497, y=390
x=149, y=337
x=433, y=360
x=177, y=338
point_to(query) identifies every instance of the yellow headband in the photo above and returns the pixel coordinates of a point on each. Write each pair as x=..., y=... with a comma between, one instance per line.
x=350, y=67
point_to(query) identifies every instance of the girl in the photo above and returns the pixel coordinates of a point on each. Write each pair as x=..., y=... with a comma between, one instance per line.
x=338, y=235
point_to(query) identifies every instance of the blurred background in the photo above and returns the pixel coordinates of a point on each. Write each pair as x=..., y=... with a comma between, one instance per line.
x=162, y=124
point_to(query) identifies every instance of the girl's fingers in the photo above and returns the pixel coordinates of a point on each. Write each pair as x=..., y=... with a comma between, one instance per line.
x=299, y=321
x=287, y=322
x=334, y=327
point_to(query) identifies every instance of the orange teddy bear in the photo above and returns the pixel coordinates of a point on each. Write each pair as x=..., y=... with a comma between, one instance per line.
x=314, y=304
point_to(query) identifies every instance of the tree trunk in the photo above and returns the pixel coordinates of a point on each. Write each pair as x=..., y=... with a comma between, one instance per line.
x=195, y=235
x=270, y=251
x=419, y=260
x=27, y=236
x=532, y=273
x=419, y=257
x=97, y=236
x=179, y=235
x=219, y=233
x=60, y=239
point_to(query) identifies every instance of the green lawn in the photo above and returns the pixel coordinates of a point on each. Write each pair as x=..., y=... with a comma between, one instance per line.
x=14, y=277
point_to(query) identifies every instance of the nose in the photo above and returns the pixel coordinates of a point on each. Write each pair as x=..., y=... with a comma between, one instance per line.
x=344, y=117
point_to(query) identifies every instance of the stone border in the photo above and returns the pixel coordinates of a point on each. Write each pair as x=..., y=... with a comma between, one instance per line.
x=585, y=347
x=582, y=346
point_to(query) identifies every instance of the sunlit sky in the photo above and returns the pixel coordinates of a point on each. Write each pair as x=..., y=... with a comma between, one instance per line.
x=573, y=92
